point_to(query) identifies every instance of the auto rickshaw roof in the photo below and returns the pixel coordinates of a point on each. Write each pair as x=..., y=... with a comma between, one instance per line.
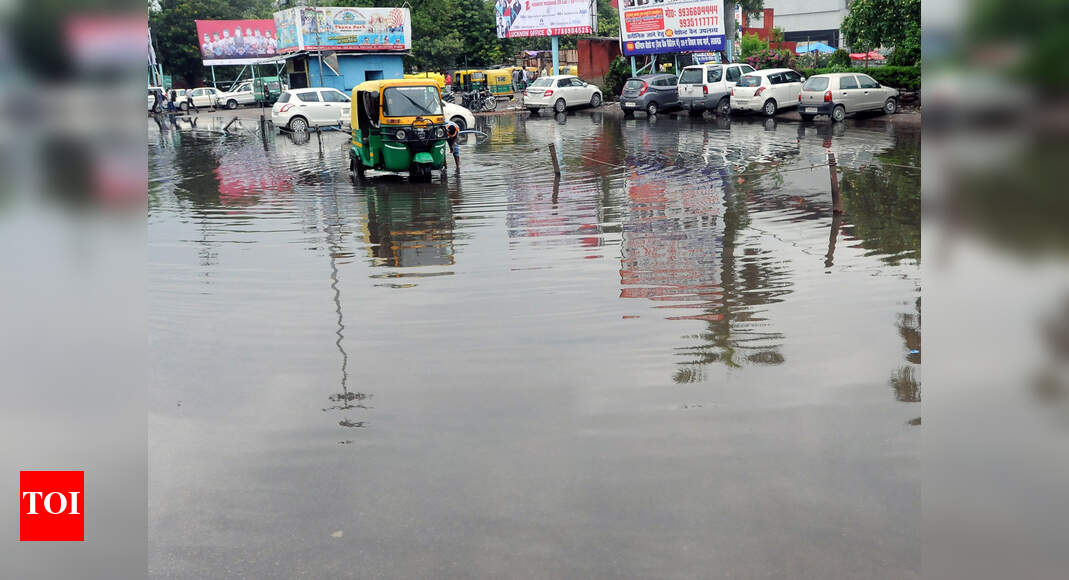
x=378, y=85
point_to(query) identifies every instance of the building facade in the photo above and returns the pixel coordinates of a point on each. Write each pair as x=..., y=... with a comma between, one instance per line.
x=806, y=20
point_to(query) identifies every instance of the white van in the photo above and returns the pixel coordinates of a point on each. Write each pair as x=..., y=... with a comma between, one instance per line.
x=707, y=87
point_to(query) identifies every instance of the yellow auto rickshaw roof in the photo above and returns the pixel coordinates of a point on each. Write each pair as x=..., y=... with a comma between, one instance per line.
x=378, y=85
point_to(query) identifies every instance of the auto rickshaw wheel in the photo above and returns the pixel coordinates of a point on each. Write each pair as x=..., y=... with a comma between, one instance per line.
x=419, y=173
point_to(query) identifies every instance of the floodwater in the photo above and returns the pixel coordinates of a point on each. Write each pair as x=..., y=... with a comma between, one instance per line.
x=674, y=363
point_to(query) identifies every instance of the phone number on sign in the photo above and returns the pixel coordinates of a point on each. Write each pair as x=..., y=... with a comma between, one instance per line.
x=696, y=22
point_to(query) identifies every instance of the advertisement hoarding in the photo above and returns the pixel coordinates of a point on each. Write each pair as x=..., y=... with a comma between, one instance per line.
x=344, y=29
x=522, y=18
x=236, y=41
x=671, y=26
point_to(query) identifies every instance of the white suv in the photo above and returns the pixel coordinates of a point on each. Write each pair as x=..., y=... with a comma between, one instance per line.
x=707, y=87
x=299, y=109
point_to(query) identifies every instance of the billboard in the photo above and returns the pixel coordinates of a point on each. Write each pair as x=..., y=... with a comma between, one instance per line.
x=344, y=29
x=671, y=26
x=236, y=41
x=522, y=18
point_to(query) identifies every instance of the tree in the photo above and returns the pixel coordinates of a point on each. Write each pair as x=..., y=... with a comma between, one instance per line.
x=749, y=7
x=888, y=23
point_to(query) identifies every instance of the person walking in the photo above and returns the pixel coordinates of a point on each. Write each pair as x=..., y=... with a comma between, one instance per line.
x=171, y=99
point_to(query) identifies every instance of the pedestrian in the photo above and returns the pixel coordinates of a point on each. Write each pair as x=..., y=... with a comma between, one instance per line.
x=172, y=98
x=452, y=132
x=191, y=105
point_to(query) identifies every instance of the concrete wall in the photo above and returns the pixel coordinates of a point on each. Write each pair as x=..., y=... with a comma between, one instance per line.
x=355, y=69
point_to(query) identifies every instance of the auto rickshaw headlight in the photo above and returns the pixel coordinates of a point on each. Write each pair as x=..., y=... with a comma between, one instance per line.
x=440, y=132
x=400, y=135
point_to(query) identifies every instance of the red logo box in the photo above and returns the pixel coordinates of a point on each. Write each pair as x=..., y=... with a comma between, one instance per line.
x=51, y=506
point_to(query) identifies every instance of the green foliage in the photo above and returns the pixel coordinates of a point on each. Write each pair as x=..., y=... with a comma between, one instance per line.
x=750, y=7
x=771, y=58
x=608, y=19
x=900, y=77
x=908, y=51
x=619, y=72
x=875, y=23
x=840, y=57
x=750, y=45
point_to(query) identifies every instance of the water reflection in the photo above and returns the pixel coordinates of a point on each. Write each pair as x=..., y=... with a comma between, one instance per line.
x=410, y=225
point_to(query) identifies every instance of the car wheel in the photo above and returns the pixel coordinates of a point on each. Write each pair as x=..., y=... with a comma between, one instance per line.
x=891, y=106
x=807, y=116
x=560, y=106
x=298, y=124
x=183, y=107
x=651, y=109
x=628, y=113
x=231, y=104
x=460, y=122
x=723, y=107
x=838, y=114
x=770, y=108
x=595, y=100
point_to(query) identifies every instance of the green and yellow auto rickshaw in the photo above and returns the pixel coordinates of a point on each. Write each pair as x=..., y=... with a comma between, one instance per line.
x=398, y=126
x=499, y=81
x=469, y=80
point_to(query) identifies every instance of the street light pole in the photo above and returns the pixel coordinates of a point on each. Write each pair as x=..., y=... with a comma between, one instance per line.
x=319, y=49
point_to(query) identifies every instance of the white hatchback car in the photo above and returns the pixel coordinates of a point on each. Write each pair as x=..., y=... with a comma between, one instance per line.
x=767, y=90
x=299, y=109
x=560, y=92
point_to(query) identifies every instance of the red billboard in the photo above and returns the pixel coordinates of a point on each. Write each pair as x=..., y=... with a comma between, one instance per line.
x=236, y=41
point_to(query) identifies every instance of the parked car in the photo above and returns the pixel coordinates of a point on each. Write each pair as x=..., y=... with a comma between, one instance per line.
x=767, y=90
x=707, y=87
x=453, y=112
x=459, y=115
x=239, y=95
x=299, y=109
x=650, y=93
x=837, y=94
x=560, y=92
x=206, y=97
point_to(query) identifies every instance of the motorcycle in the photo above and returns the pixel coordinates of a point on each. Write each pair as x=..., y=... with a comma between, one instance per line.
x=481, y=100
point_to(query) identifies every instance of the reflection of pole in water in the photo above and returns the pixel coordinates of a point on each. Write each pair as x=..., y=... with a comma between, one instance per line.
x=836, y=223
x=344, y=399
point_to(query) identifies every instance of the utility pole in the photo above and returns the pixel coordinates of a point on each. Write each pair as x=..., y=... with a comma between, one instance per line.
x=319, y=51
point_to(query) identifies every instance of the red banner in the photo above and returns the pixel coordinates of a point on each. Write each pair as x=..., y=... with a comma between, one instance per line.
x=236, y=41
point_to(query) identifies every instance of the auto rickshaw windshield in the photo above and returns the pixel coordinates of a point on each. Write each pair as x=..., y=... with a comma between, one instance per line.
x=411, y=101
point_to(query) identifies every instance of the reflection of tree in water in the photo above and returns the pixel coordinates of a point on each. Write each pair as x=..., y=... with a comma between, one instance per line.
x=883, y=203
x=905, y=380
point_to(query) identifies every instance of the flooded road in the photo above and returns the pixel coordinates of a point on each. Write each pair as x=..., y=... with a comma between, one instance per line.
x=673, y=363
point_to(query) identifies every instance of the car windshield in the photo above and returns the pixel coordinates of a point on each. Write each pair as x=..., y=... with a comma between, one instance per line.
x=691, y=76
x=816, y=84
x=411, y=101
x=633, y=85
x=542, y=82
x=749, y=81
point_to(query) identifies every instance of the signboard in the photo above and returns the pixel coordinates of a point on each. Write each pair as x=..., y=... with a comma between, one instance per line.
x=236, y=41
x=522, y=18
x=344, y=29
x=671, y=26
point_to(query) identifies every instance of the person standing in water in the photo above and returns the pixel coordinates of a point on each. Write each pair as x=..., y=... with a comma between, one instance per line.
x=452, y=132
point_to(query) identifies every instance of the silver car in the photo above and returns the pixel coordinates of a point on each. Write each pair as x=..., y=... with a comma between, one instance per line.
x=837, y=94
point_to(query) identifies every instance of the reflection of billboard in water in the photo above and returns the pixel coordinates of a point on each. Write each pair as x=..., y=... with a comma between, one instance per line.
x=671, y=238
